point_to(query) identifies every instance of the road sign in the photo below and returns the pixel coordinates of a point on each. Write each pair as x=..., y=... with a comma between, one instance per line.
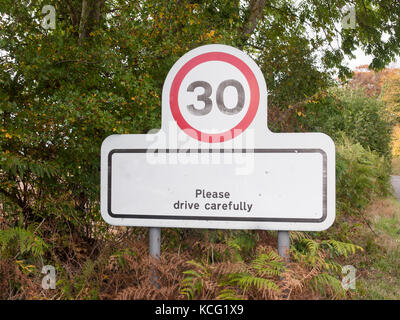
x=214, y=163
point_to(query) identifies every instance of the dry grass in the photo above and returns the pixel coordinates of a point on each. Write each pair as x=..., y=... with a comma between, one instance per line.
x=382, y=208
x=396, y=166
x=380, y=267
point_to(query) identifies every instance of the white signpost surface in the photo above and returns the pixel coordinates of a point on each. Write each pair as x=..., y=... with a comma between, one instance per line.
x=214, y=163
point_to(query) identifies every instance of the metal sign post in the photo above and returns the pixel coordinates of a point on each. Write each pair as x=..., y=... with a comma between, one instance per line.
x=155, y=242
x=284, y=244
x=155, y=248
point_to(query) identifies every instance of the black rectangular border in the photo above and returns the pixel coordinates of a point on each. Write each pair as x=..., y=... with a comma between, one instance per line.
x=215, y=218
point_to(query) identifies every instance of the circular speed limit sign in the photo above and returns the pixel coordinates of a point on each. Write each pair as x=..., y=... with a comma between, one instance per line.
x=214, y=96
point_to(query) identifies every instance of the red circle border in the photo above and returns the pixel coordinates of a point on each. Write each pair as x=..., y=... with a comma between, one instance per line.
x=247, y=119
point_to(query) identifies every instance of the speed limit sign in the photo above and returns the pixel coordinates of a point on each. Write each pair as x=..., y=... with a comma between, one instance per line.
x=225, y=103
x=214, y=163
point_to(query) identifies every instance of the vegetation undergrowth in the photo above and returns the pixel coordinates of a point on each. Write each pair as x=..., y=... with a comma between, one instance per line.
x=379, y=267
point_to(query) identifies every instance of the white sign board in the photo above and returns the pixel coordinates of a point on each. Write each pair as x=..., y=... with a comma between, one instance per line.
x=214, y=163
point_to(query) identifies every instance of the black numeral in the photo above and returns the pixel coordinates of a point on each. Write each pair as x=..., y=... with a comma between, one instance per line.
x=205, y=97
x=220, y=96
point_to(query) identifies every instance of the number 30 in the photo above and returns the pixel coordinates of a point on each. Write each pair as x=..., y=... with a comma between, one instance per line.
x=205, y=97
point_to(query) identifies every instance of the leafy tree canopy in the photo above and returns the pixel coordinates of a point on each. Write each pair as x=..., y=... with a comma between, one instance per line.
x=101, y=70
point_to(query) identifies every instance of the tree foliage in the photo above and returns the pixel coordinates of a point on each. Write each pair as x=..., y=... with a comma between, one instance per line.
x=101, y=70
x=391, y=97
x=371, y=81
x=350, y=112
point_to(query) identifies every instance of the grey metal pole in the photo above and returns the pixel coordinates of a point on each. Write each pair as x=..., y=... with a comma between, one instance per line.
x=155, y=242
x=154, y=248
x=283, y=249
x=284, y=244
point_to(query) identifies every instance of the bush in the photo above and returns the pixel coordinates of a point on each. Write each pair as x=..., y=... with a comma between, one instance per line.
x=351, y=112
x=363, y=143
x=396, y=141
x=361, y=175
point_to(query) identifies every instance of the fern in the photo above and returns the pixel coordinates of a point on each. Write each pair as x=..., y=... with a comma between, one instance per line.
x=314, y=254
x=297, y=235
x=268, y=264
x=311, y=245
x=326, y=283
x=247, y=281
x=19, y=242
x=229, y=294
x=261, y=274
x=241, y=244
x=81, y=282
x=341, y=248
x=193, y=282
x=336, y=248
